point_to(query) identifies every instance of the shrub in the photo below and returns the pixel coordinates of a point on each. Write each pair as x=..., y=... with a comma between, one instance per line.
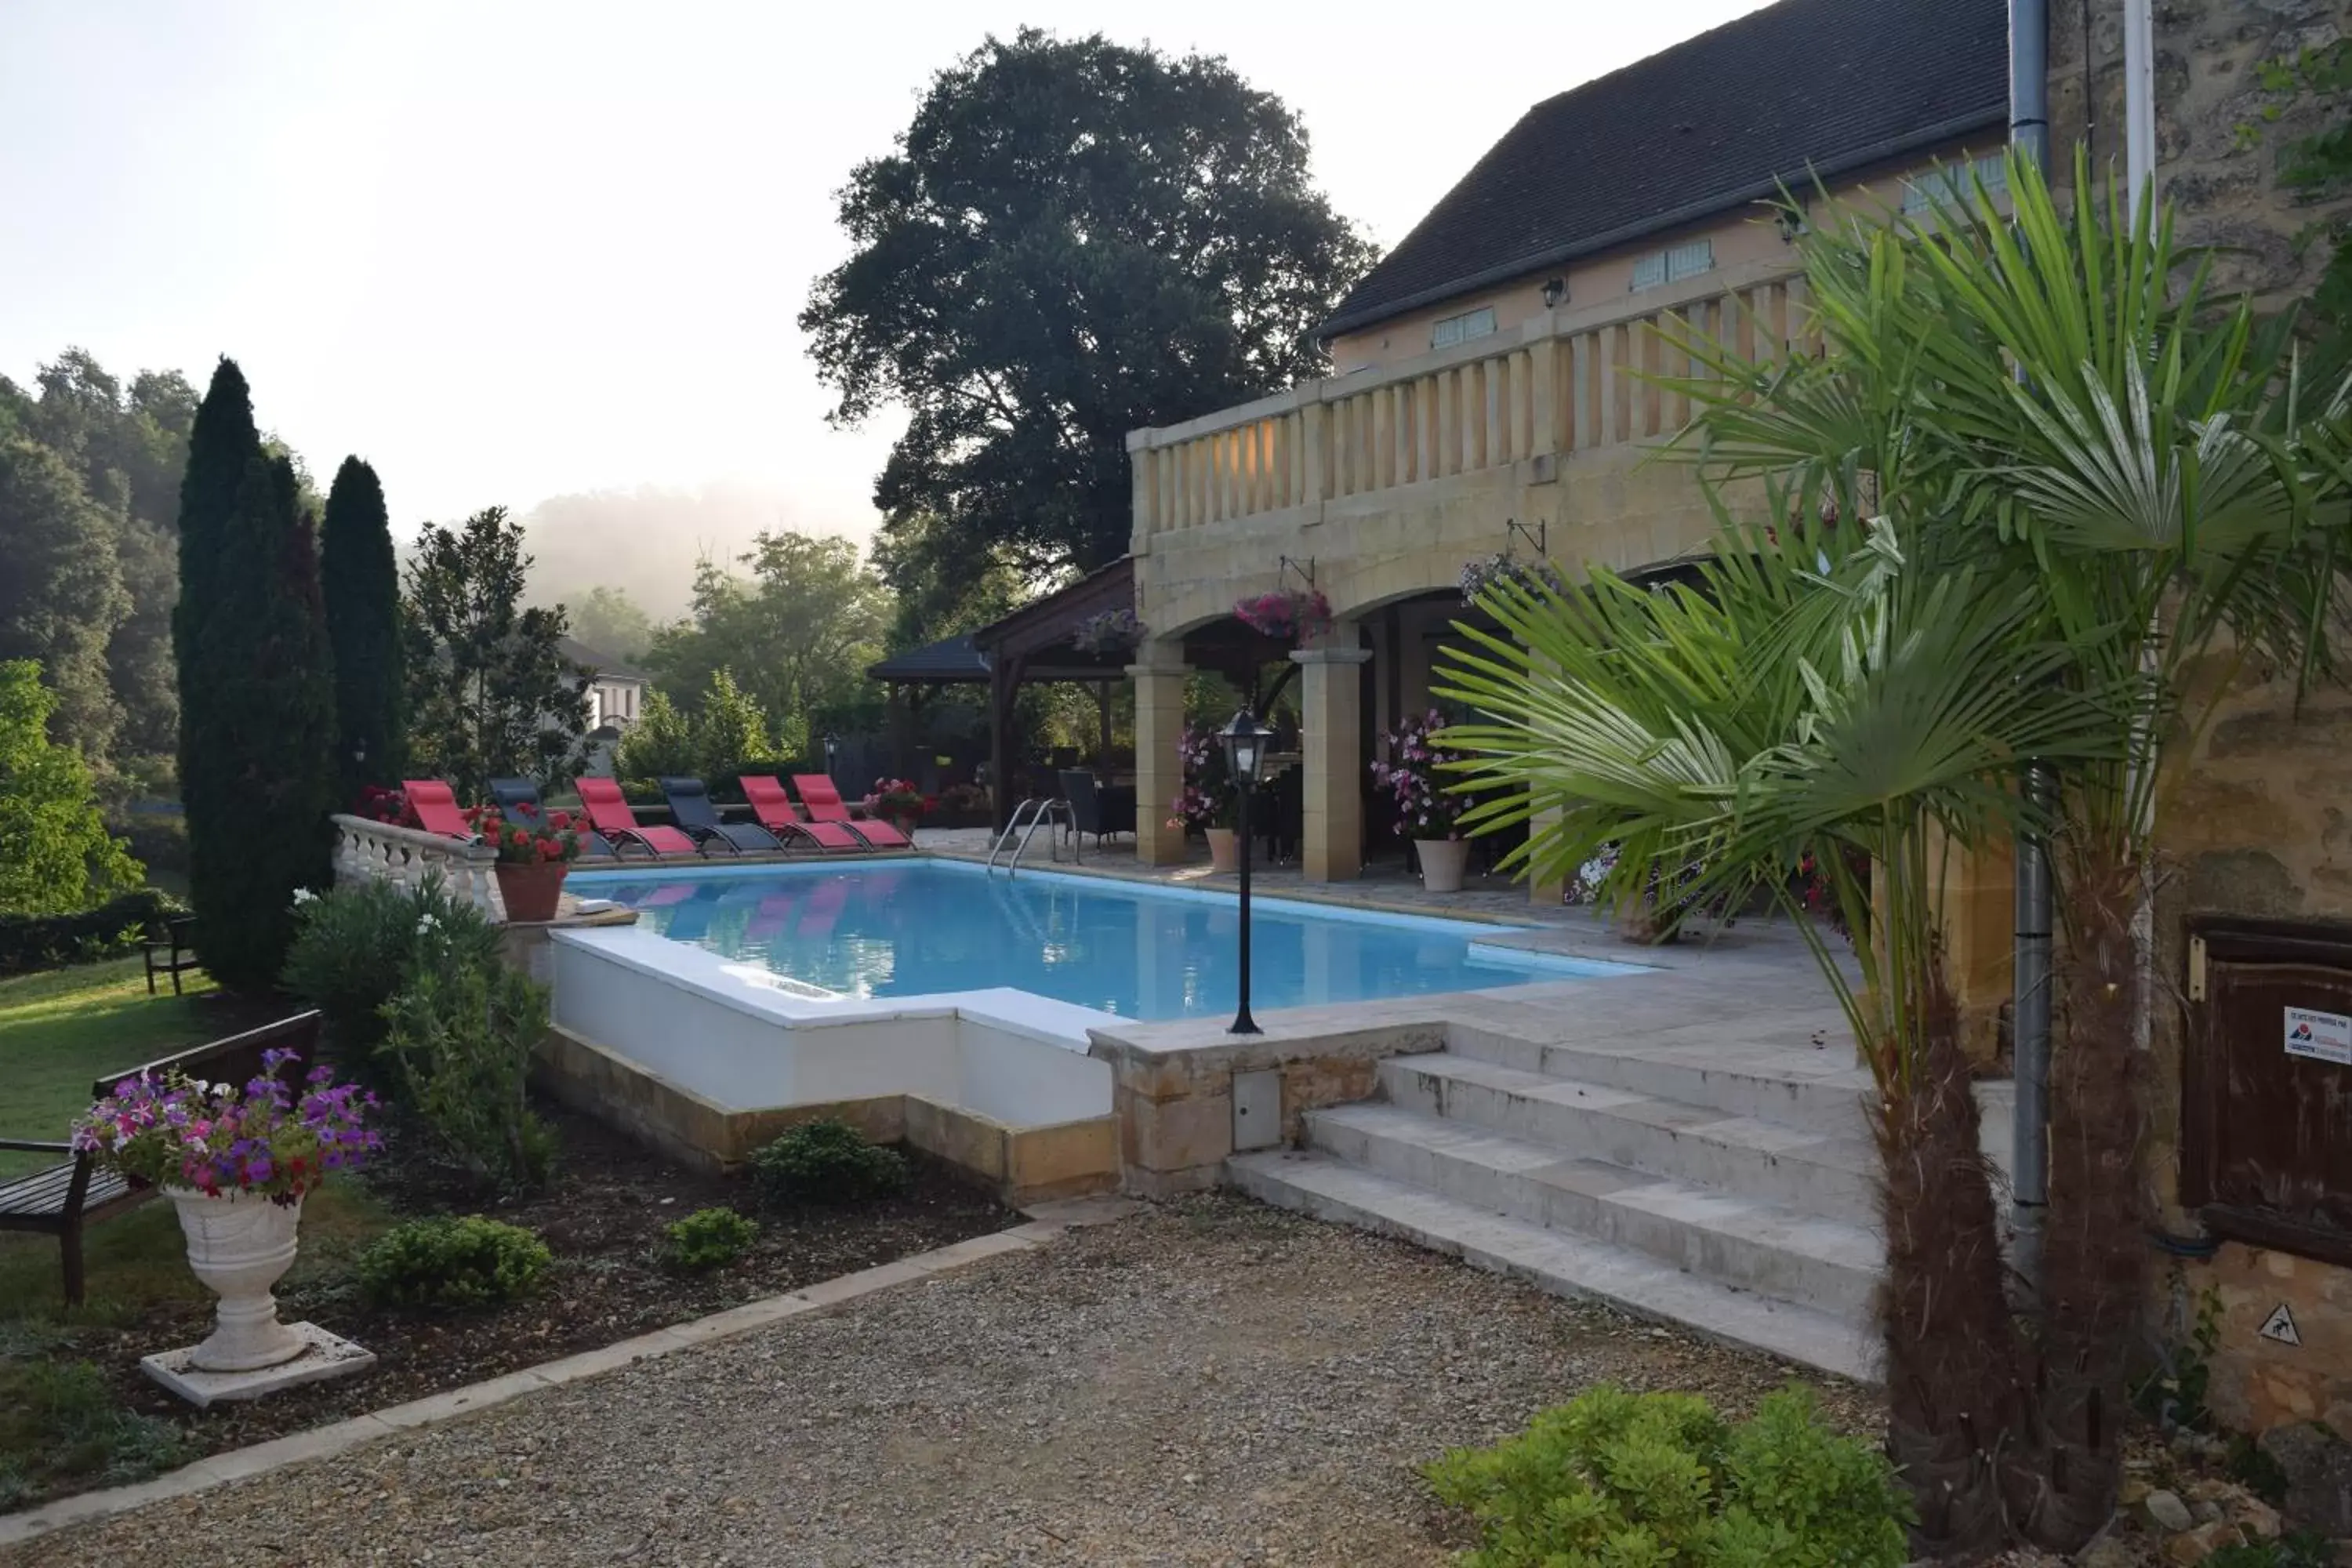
x=2304, y=1549
x=45, y=941
x=459, y=1038
x=357, y=946
x=826, y=1161
x=1615, y=1479
x=708, y=1238
x=450, y=1264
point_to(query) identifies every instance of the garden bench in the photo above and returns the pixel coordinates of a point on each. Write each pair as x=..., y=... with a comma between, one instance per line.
x=169, y=950
x=67, y=1196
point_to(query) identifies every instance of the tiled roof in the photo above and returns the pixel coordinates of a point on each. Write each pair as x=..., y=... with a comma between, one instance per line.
x=603, y=665
x=1707, y=126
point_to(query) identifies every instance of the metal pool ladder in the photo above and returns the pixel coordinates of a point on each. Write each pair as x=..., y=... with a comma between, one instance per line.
x=1027, y=818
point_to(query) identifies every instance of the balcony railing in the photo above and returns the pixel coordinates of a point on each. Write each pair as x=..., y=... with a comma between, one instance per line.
x=1568, y=381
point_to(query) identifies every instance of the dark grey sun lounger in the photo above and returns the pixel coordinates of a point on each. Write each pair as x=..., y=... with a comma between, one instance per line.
x=691, y=807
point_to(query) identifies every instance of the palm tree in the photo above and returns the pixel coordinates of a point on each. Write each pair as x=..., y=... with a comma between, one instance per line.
x=2091, y=459
x=1817, y=690
x=2137, y=451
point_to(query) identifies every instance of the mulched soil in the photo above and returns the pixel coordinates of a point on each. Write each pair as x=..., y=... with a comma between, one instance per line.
x=603, y=1217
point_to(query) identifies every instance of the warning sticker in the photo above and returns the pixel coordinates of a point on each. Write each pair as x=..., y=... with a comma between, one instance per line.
x=2321, y=1036
x=2280, y=1326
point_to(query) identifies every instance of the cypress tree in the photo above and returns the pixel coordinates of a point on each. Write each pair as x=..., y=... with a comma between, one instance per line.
x=221, y=442
x=362, y=583
x=264, y=766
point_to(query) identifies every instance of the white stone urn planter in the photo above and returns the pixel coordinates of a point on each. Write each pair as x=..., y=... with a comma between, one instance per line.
x=240, y=1245
x=1442, y=863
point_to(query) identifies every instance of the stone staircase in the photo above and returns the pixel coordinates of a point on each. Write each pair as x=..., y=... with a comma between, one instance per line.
x=1724, y=1186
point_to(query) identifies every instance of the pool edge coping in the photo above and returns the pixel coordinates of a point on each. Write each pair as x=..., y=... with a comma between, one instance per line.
x=1042, y=1223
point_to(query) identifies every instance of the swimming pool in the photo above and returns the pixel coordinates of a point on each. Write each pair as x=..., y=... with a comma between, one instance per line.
x=920, y=928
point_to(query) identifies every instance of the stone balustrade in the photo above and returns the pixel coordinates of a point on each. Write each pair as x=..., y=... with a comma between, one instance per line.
x=1568, y=381
x=379, y=850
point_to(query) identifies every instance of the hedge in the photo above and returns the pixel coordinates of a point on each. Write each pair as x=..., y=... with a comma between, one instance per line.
x=51, y=941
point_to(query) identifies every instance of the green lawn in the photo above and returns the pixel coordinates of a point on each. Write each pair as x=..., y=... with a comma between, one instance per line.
x=58, y=1031
x=61, y=1029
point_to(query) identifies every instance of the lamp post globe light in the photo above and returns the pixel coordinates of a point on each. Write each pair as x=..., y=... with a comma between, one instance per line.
x=1245, y=744
x=832, y=744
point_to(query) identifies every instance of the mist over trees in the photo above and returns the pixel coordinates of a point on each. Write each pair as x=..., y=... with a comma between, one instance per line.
x=648, y=541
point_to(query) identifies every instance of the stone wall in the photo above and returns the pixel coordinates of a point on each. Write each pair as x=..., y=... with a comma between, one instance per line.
x=2208, y=90
x=2255, y=818
x=2257, y=821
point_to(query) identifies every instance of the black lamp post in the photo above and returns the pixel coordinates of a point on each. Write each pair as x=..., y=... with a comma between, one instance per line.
x=832, y=744
x=1245, y=741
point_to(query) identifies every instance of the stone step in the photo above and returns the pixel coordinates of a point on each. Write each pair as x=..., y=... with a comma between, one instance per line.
x=1800, y=1168
x=1727, y=1238
x=1315, y=1184
x=1779, y=1075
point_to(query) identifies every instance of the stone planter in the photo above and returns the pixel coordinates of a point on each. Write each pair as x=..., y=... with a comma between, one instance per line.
x=1223, y=855
x=239, y=1246
x=1443, y=862
x=531, y=891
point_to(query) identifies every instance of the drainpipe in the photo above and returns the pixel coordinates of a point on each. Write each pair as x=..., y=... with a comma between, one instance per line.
x=2029, y=132
x=2139, y=100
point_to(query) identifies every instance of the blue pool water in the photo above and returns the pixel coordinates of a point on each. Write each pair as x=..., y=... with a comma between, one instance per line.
x=916, y=928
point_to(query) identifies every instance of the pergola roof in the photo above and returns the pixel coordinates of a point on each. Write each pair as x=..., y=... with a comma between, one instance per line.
x=950, y=661
x=1036, y=637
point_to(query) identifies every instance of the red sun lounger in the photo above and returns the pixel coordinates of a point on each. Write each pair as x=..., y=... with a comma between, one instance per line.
x=824, y=803
x=609, y=814
x=779, y=815
x=437, y=809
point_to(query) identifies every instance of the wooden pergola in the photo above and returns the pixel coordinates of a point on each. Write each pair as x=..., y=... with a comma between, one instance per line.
x=1032, y=646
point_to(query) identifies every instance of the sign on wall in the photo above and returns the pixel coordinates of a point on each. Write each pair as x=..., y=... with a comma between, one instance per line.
x=2319, y=1037
x=2280, y=1326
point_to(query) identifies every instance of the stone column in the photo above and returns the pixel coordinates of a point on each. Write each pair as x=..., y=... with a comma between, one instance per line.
x=1159, y=672
x=1331, y=740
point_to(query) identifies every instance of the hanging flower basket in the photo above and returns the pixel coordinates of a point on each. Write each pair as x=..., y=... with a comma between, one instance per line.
x=1113, y=631
x=1478, y=576
x=1290, y=615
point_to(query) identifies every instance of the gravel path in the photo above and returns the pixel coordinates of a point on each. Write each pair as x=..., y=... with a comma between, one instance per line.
x=1204, y=1383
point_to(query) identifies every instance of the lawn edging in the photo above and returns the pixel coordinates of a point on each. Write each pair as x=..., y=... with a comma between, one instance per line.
x=1044, y=1223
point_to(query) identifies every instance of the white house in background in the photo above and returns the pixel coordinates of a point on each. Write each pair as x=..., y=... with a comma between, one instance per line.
x=618, y=693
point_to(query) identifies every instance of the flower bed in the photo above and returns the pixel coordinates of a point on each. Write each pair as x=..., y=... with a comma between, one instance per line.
x=605, y=1219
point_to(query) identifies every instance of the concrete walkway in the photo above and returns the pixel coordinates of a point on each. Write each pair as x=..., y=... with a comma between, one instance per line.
x=1207, y=1383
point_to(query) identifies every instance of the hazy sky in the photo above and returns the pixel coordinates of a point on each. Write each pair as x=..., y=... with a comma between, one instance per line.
x=509, y=251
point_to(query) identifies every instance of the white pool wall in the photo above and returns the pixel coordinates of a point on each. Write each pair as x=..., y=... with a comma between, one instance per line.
x=745, y=1039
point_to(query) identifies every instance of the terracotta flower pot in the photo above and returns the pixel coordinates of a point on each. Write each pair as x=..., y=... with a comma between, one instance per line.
x=1443, y=862
x=1223, y=855
x=904, y=822
x=531, y=891
x=239, y=1246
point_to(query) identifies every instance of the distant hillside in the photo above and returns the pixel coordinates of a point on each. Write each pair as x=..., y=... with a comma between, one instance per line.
x=646, y=540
